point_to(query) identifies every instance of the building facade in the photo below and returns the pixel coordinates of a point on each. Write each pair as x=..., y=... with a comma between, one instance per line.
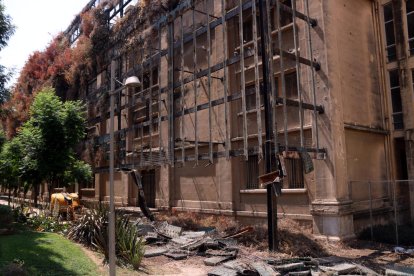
x=339, y=83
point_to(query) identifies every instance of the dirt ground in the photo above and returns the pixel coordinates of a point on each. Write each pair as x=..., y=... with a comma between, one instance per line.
x=295, y=241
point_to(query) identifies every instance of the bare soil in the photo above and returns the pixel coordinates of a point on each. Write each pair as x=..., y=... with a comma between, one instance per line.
x=295, y=241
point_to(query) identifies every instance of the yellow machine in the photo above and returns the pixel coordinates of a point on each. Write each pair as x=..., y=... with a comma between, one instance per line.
x=64, y=204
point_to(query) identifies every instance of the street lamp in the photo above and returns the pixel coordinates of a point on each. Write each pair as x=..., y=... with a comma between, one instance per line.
x=129, y=82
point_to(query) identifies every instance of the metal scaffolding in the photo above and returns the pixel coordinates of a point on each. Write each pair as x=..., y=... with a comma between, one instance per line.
x=240, y=62
x=211, y=62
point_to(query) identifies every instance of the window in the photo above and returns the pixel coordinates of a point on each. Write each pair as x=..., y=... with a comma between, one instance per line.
x=389, y=33
x=397, y=113
x=286, y=17
x=410, y=25
x=290, y=85
x=294, y=170
x=252, y=172
x=251, y=98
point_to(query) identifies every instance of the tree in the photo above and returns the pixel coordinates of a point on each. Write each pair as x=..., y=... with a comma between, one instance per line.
x=48, y=140
x=10, y=162
x=6, y=31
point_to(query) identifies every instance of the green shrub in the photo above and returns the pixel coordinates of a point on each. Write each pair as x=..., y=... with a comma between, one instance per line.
x=47, y=224
x=92, y=230
x=130, y=245
x=6, y=216
x=90, y=226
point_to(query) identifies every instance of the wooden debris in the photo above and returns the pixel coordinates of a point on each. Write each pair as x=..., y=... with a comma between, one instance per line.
x=397, y=270
x=193, y=234
x=153, y=252
x=193, y=245
x=182, y=241
x=216, y=260
x=223, y=253
x=366, y=270
x=290, y=267
x=343, y=268
x=240, y=233
x=227, y=242
x=151, y=237
x=177, y=254
x=168, y=230
x=211, y=244
x=240, y=267
x=222, y=271
x=264, y=269
x=300, y=273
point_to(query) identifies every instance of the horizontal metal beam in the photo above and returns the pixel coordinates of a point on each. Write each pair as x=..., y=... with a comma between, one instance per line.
x=222, y=154
x=313, y=22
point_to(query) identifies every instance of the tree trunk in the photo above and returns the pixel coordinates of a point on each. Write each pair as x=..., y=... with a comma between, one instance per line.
x=36, y=192
x=9, y=197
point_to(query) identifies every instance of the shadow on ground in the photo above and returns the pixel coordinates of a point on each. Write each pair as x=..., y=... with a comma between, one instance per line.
x=44, y=254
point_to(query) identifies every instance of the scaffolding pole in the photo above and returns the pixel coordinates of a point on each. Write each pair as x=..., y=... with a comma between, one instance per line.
x=271, y=198
x=242, y=81
x=312, y=73
x=257, y=84
x=159, y=96
x=182, y=89
x=298, y=75
x=210, y=144
x=282, y=74
x=226, y=103
x=195, y=87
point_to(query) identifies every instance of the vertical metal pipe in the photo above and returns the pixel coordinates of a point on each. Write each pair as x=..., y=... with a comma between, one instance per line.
x=298, y=73
x=141, y=161
x=282, y=74
x=195, y=88
x=150, y=84
x=242, y=82
x=257, y=83
x=182, y=89
x=210, y=140
x=226, y=104
x=310, y=55
x=271, y=199
x=159, y=94
x=171, y=141
x=370, y=211
x=272, y=83
x=111, y=217
x=395, y=212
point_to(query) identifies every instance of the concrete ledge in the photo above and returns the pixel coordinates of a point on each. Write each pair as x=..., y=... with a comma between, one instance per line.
x=284, y=191
x=279, y=215
x=203, y=205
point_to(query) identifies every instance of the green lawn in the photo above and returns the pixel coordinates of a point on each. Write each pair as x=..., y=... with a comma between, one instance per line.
x=46, y=254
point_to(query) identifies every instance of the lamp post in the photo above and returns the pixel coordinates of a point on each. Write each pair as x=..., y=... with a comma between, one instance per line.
x=130, y=82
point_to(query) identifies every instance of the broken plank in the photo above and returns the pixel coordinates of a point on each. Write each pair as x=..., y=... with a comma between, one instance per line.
x=153, y=252
x=216, y=260
x=398, y=270
x=290, y=267
x=223, y=253
x=343, y=268
x=222, y=271
x=264, y=269
x=240, y=267
x=366, y=270
x=176, y=254
x=300, y=273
